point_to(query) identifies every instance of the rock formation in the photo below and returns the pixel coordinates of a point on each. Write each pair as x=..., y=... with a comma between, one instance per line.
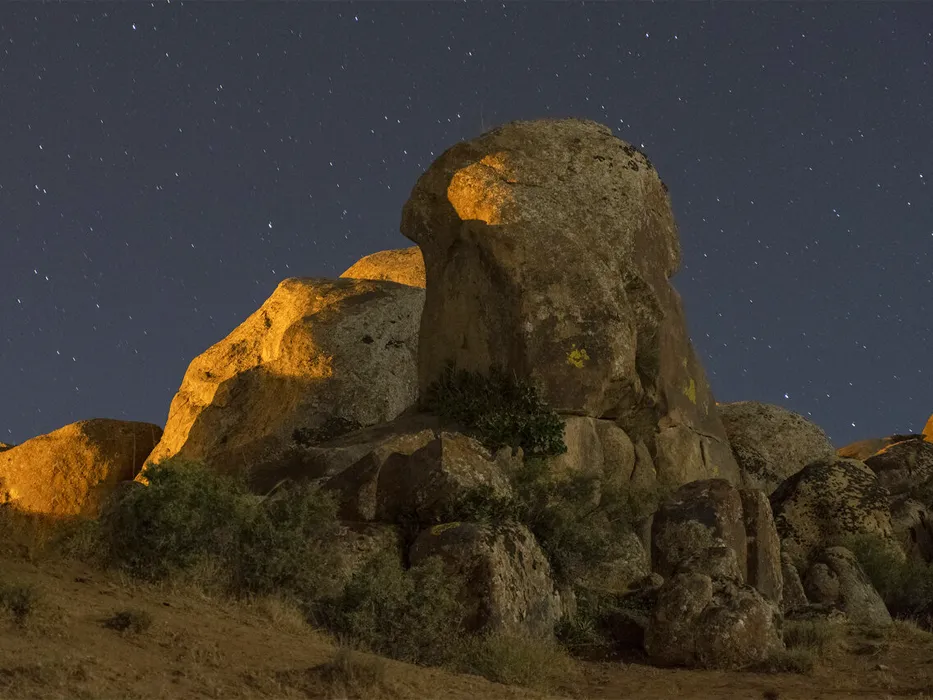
x=404, y=265
x=835, y=578
x=315, y=351
x=603, y=332
x=771, y=443
x=826, y=501
x=70, y=471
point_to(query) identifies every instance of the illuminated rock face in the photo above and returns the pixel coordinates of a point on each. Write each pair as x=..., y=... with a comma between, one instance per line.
x=548, y=246
x=72, y=470
x=403, y=265
x=316, y=350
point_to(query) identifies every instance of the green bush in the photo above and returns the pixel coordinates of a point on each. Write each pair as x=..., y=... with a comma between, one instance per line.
x=500, y=410
x=905, y=585
x=189, y=515
x=412, y=615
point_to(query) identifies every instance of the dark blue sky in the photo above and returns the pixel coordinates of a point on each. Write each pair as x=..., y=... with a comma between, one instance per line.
x=163, y=166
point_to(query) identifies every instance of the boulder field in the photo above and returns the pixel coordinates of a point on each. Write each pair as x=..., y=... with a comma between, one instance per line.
x=545, y=249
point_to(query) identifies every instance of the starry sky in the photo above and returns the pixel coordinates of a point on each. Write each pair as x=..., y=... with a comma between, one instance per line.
x=163, y=166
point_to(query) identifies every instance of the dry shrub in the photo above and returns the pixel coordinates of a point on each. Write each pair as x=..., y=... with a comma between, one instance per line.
x=20, y=602
x=351, y=674
x=517, y=660
x=130, y=621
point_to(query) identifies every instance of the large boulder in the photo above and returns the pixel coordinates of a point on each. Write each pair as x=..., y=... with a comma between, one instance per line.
x=905, y=467
x=698, y=516
x=827, y=501
x=835, y=579
x=602, y=332
x=317, y=350
x=711, y=623
x=432, y=484
x=771, y=443
x=72, y=470
x=763, y=569
x=403, y=265
x=863, y=449
x=508, y=584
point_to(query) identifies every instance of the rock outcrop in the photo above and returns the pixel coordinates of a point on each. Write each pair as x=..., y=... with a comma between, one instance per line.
x=72, y=470
x=508, y=586
x=713, y=528
x=835, y=579
x=771, y=443
x=827, y=501
x=711, y=623
x=603, y=332
x=905, y=467
x=863, y=449
x=403, y=265
x=317, y=350
x=913, y=528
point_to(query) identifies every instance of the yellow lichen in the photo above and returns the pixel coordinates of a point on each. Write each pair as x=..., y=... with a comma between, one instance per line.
x=691, y=391
x=577, y=357
x=444, y=527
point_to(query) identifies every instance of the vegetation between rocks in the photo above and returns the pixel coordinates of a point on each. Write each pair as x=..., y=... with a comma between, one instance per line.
x=905, y=585
x=498, y=409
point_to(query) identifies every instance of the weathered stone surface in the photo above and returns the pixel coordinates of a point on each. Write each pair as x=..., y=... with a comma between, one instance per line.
x=429, y=485
x=913, y=528
x=603, y=333
x=764, y=545
x=834, y=578
x=403, y=265
x=584, y=453
x=793, y=597
x=771, y=443
x=314, y=350
x=508, y=588
x=644, y=474
x=619, y=574
x=618, y=454
x=718, y=561
x=6, y=446
x=711, y=623
x=699, y=515
x=928, y=429
x=905, y=467
x=826, y=501
x=404, y=435
x=72, y=470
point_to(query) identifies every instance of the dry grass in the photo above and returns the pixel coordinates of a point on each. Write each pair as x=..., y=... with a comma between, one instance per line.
x=131, y=621
x=519, y=660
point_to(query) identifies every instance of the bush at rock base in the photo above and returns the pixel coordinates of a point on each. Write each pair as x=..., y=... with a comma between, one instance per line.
x=905, y=585
x=498, y=409
x=412, y=615
x=192, y=518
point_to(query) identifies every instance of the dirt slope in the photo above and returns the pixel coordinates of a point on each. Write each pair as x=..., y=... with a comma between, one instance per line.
x=202, y=648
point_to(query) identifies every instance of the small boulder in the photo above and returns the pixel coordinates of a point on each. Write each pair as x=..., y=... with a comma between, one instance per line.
x=771, y=443
x=711, y=623
x=316, y=350
x=508, y=588
x=72, y=470
x=835, y=578
x=403, y=265
x=827, y=501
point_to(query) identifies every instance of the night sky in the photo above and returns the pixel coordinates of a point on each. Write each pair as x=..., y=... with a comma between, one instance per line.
x=163, y=166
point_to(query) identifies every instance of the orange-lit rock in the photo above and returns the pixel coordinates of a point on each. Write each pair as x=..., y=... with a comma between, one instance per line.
x=928, y=430
x=548, y=248
x=315, y=350
x=72, y=470
x=403, y=265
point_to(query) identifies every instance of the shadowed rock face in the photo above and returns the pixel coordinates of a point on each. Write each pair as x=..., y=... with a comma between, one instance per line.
x=314, y=350
x=548, y=247
x=403, y=265
x=72, y=470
